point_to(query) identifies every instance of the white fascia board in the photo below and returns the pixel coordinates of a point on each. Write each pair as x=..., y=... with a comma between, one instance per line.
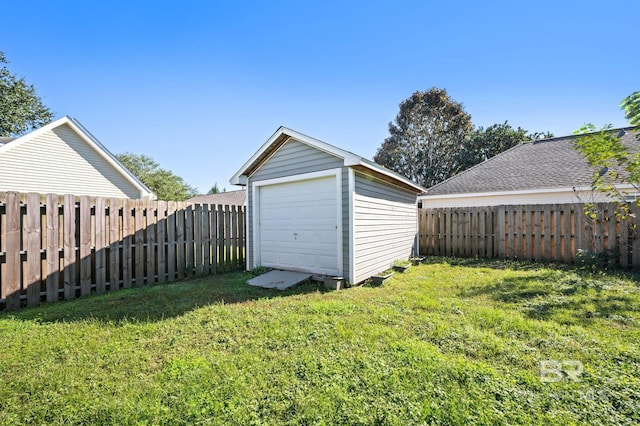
x=521, y=192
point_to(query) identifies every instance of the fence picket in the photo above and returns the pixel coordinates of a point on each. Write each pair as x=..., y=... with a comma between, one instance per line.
x=197, y=238
x=172, y=257
x=150, y=240
x=188, y=239
x=100, y=244
x=206, y=239
x=127, y=257
x=161, y=242
x=53, y=250
x=557, y=254
x=12, y=289
x=33, y=242
x=69, y=247
x=227, y=242
x=537, y=237
x=115, y=240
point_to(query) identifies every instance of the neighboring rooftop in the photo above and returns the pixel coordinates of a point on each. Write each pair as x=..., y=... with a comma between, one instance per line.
x=5, y=140
x=544, y=164
x=232, y=198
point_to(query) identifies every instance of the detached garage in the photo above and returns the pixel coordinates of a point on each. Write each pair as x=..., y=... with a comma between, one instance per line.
x=316, y=208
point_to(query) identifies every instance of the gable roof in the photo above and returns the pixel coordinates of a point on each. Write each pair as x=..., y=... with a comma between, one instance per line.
x=544, y=164
x=284, y=134
x=232, y=198
x=7, y=144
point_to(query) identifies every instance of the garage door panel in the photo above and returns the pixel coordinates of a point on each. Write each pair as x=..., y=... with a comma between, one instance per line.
x=298, y=225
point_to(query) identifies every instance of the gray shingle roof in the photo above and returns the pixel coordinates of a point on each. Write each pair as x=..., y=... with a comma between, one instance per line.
x=545, y=164
x=5, y=140
x=232, y=198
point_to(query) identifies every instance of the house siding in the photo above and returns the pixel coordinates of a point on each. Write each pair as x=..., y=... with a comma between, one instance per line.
x=385, y=225
x=481, y=200
x=61, y=162
x=292, y=158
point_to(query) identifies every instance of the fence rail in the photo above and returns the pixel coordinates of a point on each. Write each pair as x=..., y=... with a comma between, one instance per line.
x=534, y=232
x=60, y=247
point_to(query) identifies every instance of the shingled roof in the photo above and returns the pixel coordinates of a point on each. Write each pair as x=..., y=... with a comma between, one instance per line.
x=232, y=198
x=544, y=164
x=5, y=140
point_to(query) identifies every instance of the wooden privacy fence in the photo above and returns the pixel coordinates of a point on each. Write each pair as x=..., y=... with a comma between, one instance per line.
x=54, y=247
x=553, y=232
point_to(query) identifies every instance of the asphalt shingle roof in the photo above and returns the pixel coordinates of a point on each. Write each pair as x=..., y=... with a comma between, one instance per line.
x=5, y=140
x=232, y=198
x=545, y=164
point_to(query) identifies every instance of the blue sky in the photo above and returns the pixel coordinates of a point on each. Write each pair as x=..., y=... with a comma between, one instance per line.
x=200, y=85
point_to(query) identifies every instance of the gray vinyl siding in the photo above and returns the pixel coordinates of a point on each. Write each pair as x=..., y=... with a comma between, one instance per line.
x=61, y=162
x=385, y=225
x=295, y=158
x=292, y=158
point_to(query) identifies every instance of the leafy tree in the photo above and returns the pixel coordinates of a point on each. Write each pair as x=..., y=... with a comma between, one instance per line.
x=425, y=138
x=612, y=161
x=486, y=143
x=165, y=184
x=215, y=190
x=21, y=110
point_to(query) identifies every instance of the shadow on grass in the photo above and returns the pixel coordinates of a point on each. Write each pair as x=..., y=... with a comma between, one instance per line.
x=564, y=293
x=158, y=302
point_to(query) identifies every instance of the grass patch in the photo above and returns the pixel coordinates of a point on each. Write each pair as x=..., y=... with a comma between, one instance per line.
x=449, y=342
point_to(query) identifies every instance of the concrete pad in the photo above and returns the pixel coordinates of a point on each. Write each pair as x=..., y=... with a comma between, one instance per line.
x=281, y=280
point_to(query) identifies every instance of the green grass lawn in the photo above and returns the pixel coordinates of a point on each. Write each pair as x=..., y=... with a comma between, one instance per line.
x=449, y=342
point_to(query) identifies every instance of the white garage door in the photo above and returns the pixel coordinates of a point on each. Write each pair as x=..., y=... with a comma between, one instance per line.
x=298, y=226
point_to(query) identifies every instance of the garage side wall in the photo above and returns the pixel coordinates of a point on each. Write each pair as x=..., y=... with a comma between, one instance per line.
x=292, y=158
x=385, y=225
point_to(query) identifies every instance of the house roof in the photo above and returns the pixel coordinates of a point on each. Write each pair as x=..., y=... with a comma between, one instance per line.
x=5, y=140
x=7, y=144
x=283, y=134
x=232, y=198
x=544, y=164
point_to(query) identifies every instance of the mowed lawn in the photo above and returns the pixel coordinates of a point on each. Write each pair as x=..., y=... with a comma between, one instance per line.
x=449, y=342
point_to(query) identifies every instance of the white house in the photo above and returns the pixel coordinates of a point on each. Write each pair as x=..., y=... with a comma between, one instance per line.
x=316, y=208
x=542, y=172
x=64, y=158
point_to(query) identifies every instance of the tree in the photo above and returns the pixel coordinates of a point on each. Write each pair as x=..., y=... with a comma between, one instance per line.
x=21, y=110
x=486, y=143
x=165, y=184
x=425, y=138
x=215, y=190
x=613, y=162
